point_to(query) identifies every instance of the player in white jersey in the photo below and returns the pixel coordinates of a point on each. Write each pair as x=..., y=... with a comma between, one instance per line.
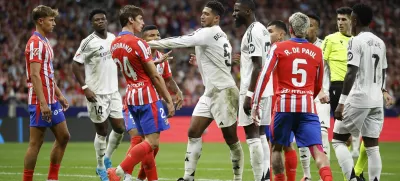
x=254, y=47
x=361, y=102
x=220, y=99
x=323, y=109
x=100, y=85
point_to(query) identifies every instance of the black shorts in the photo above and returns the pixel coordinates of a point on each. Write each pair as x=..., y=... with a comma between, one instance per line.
x=335, y=91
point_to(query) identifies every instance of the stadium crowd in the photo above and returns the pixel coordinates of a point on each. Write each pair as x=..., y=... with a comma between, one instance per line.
x=173, y=18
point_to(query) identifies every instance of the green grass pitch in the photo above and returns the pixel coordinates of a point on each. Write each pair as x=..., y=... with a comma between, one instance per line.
x=214, y=165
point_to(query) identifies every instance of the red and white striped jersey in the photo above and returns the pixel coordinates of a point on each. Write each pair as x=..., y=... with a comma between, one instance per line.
x=38, y=49
x=129, y=53
x=299, y=68
x=163, y=68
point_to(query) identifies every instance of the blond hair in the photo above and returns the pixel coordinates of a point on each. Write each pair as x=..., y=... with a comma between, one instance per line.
x=43, y=11
x=299, y=23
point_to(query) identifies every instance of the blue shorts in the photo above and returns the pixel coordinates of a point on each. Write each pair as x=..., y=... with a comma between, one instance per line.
x=128, y=119
x=149, y=118
x=305, y=126
x=269, y=135
x=36, y=115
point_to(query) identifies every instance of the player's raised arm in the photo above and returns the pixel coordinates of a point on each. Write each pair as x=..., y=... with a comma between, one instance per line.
x=194, y=39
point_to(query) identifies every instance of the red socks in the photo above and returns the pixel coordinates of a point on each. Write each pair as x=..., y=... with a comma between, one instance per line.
x=279, y=177
x=134, y=141
x=28, y=175
x=53, y=171
x=142, y=173
x=326, y=173
x=135, y=155
x=291, y=165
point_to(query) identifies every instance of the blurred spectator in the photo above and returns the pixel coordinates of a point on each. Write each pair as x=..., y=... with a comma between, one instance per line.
x=173, y=18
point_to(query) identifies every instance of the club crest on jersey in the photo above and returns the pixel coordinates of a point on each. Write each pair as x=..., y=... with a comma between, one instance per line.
x=35, y=51
x=349, y=56
x=252, y=48
x=101, y=48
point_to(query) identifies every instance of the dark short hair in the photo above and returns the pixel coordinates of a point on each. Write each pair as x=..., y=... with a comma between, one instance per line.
x=96, y=11
x=364, y=13
x=249, y=3
x=344, y=10
x=129, y=11
x=216, y=7
x=43, y=11
x=315, y=17
x=149, y=27
x=279, y=24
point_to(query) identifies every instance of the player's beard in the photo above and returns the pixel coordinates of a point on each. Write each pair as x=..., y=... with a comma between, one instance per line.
x=239, y=21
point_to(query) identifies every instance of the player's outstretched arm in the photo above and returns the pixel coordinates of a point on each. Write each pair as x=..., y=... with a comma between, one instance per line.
x=159, y=84
x=191, y=40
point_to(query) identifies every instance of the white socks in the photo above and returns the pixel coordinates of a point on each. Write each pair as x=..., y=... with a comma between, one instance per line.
x=267, y=156
x=305, y=156
x=325, y=143
x=374, y=163
x=256, y=157
x=237, y=158
x=344, y=158
x=193, y=153
x=100, y=145
x=114, y=140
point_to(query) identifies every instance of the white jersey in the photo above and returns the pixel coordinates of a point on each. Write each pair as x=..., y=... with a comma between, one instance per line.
x=101, y=74
x=256, y=42
x=213, y=55
x=367, y=52
x=326, y=80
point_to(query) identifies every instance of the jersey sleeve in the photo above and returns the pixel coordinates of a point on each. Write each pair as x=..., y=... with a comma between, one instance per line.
x=256, y=43
x=319, y=78
x=384, y=60
x=327, y=78
x=196, y=38
x=35, y=51
x=167, y=70
x=354, y=53
x=143, y=51
x=326, y=48
x=82, y=51
x=265, y=75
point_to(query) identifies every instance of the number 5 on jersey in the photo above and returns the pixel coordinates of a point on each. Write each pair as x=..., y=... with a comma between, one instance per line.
x=126, y=68
x=296, y=70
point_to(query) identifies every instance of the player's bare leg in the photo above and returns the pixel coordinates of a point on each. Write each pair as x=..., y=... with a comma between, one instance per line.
x=266, y=154
x=36, y=135
x=256, y=150
x=321, y=161
x=62, y=136
x=197, y=126
x=277, y=162
x=237, y=156
x=374, y=157
x=114, y=139
x=290, y=161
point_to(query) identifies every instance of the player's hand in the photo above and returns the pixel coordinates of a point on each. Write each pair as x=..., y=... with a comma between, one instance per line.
x=163, y=58
x=193, y=60
x=349, y=141
x=64, y=103
x=389, y=101
x=246, y=105
x=255, y=115
x=46, y=112
x=339, y=112
x=90, y=96
x=171, y=109
x=236, y=58
x=179, y=100
x=323, y=98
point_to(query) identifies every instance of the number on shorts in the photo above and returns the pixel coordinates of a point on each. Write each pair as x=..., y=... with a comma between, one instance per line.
x=162, y=113
x=98, y=110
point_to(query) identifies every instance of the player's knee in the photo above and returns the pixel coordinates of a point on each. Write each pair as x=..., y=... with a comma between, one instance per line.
x=119, y=130
x=35, y=145
x=63, y=139
x=194, y=133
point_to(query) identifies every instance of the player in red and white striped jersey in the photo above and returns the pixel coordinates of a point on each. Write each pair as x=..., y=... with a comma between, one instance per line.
x=133, y=57
x=295, y=110
x=46, y=103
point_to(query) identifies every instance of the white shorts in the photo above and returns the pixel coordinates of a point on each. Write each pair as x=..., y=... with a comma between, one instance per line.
x=108, y=105
x=368, y=121
x=324, y=114
x=265, y=111
x=220, y=105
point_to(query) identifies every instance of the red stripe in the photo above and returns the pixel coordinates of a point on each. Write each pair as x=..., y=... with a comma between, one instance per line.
x=37, y=114
x=154, y=110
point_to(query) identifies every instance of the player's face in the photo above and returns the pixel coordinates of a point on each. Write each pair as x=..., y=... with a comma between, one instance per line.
x=47, y=24
x=343, y=22
x=208, y=18
x=151, y=35
x=275, y=34
x=312, y=30
x=239, y=14
x=138, y=24
x=99, y=22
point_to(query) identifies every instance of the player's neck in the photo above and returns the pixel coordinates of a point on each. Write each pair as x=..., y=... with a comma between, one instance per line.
x=361, y=29
x=153, y=52
x=312, y=40
x=101, y=34
x=40, y=31
x=128, y=28
x=250, y=21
